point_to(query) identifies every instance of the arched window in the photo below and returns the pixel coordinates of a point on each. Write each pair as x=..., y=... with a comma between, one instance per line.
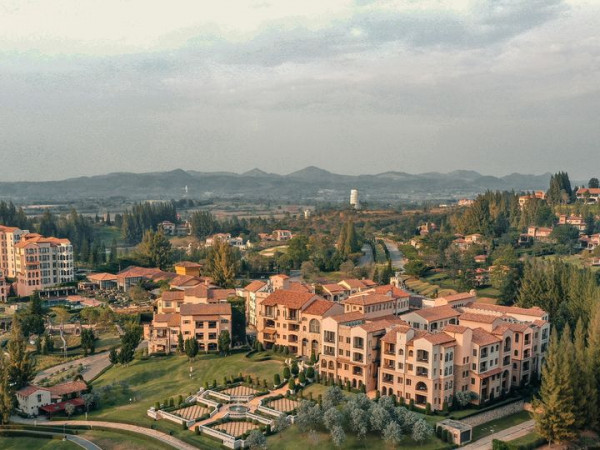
x=314, y=326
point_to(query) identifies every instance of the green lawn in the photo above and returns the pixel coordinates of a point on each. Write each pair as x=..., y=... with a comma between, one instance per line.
x=500, y=424
x=528, y=439
x=157, y=379
x=30, y=443
x=113, y=440
x=294, y=439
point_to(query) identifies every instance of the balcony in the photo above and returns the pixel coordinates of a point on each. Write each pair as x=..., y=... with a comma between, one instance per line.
x=422, y=372
x=388, y=364
x=269, y=337
x=292, y=338
x=422, y=356
x=357, y=370
x=387, y=378
x=358, y=357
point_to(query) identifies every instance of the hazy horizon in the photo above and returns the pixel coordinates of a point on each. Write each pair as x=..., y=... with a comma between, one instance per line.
x=353, y=87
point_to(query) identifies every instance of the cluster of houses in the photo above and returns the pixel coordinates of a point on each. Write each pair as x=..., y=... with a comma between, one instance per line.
x=371, y=337
x=173, y=229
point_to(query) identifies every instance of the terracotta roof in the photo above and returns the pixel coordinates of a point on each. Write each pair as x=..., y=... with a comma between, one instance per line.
x=459, y=296
x=58, y=407
x=188, y=264
x=6, y=229
x=172, y=295
x=334, y=288
x=354, y=283
x=375, y=325
x=500, y=329
x=34, y=239
x=28, y=390
x=172, y=320
x=319, y=307
x=540, y=323
x=102, y=276
x=482, y=337
x=489, y=373
x=348, y=317
x=283, y=276
x=396, y=292
x=518, y=327
x=439, y=338
x=203, y=309
x=481, y=318
x=68, y=388
x=451, y=328
x=290, y=299
x=595, y=191
x=299, y=287
x=437, y=313
x=534, y=311
x=255, y=286
x=367, y=299
x=181, y=280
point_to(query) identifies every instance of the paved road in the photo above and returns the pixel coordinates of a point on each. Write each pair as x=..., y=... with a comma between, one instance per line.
x=395, y=255
x=93, y=364
x=367, y=257
x=163, y=437
x=505, y=435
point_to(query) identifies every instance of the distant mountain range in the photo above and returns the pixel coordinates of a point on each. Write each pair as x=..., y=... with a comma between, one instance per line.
x=308, y=184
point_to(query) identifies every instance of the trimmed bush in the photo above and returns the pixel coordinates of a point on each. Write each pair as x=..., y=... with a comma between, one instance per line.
x=286, y=373
x=276, y=379
x=302, y=377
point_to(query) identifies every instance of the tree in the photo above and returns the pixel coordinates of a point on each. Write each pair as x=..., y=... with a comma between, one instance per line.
x=560, y=191
x=594, y=183
x=295, y=369
x=281, y=424
x=256, y=440
x=292, y=385
x=379, y=417
x=203, y=224
x=113, y=356
x=359, y=419
x=347, y=268
x=21, y=366
x=89, y=400
x=69, y=409
x=7, y=390
x=61, y=313
x=180, y=343
x=585, y=392
x=221, y=264
x=332, y=397
x=129, y=342
x=421, y=431
x=553, y=410
x=224, y=342
x=286, y=373
x=276, y=380
x=138, y=294
x=298, y=250
x=308, y=269
x=88, y=341
x=416, y=267
x=593, y=357
x=308, y=416
x=338, y=436
x=392, y=433
x=156, y=249
x=566, y=236
x=191, y=347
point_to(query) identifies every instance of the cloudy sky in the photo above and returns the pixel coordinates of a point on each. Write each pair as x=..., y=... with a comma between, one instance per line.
x=90, y=87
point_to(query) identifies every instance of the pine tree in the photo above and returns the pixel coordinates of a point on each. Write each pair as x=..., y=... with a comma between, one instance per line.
x=553, y=410
x=180, y=343
x=593, y=357
x=7, y=392
x=21, y=366
x=584, y=382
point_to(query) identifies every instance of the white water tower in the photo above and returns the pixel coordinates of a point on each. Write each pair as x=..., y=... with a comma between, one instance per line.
x=354, y=202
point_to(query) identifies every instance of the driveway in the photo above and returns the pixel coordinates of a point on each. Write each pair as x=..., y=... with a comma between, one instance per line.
x=509, y=434
x=395, y=255
x=367, y=257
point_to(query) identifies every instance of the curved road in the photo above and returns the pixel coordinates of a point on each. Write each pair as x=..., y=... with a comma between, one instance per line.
x=367, y=257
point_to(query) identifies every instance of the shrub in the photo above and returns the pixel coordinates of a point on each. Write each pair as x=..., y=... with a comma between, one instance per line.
x=411, y=405
x=292, y=385
x=310, y=373
x=179, y=400
x=295, y=369
x=286, y=373
x=197, y=429
x=276, y=379
x=183, y=427
x=171, y=402
x=156, y=406
x=302, y=377
x=348, y=386
x=286, y=350
x=214, y=384
x=438, y=432
x=428, y=408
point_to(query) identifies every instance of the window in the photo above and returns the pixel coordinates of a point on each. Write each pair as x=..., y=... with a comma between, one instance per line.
x=329, y=336
x=314, y=326
x=474, y=352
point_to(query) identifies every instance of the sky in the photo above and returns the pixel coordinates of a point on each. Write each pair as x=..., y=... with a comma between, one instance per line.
x=354, y=87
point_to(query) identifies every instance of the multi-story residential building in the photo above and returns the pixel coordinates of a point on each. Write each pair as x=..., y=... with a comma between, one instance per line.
x=254, y=293
x=432, y=319
x=171, y=301
x=282, y=235
x=42, y=262
x=286, y=318
x=350, y=349
x=454, y=300
x=201, y=321
x=9, y=237
x=373, y=305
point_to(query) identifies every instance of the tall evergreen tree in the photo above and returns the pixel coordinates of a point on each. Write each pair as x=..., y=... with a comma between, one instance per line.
x=21, y=366
x=593, y=357
x=222, y=264
x=554, y=409
x=7, y=391
x=584, y=381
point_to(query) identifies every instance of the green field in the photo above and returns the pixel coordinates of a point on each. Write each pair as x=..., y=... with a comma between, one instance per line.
x=157, y=379
x=500, y=424
x=31, y=443
x=113, y=440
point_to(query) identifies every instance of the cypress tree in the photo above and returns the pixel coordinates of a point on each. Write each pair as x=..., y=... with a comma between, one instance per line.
x=593, y=357
x=553, y=410
x=584, y=381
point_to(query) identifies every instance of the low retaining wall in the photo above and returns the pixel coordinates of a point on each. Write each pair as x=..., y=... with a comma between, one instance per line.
x=496, y=413
x=270, y=411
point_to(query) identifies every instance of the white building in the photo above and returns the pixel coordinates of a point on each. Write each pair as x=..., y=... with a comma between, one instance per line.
x=354, y=201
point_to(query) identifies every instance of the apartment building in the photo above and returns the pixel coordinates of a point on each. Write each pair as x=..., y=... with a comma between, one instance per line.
x=350, y=350
x=202, y=321
x=432, y=319
x=172, y=301
x=372, y=305
x=42, y=262
x=292, y=318
x=9, y=237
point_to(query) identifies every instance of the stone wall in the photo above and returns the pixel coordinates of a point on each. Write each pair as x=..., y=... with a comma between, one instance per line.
x=495, y=413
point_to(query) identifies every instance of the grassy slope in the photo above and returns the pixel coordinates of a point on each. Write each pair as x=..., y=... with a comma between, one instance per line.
x=500, y=424
x=30, y=443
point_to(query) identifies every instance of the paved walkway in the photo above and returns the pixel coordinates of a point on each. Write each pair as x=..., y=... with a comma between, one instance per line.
x=509, y=434
x=159, y=435
x=395, y=255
